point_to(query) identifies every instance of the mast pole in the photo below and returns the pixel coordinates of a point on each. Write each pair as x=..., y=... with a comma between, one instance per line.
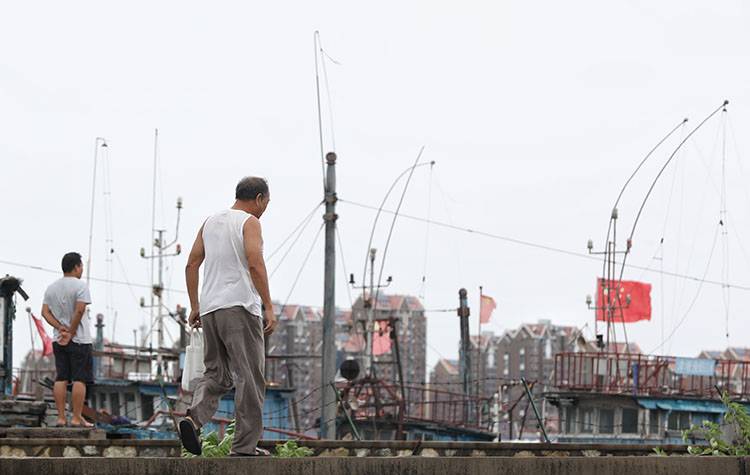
x=328, y=408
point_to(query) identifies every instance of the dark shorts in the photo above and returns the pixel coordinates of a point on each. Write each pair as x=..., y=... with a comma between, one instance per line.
x=74, y=362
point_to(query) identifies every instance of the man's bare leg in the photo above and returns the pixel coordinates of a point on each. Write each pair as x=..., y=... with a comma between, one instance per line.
x=60, y=392
x=79, y=394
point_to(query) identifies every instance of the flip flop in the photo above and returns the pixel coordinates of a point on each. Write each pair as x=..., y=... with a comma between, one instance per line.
x=258, y=453
x=82, y=425
x=190, y=437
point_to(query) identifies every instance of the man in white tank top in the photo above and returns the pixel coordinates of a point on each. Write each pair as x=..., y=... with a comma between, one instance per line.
x=236, y=313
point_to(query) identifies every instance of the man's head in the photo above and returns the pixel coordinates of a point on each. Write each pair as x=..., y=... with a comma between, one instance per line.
x=72, y=265
x=252, y=195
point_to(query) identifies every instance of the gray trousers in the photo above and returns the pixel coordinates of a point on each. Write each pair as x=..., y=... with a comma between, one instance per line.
x=234, y=355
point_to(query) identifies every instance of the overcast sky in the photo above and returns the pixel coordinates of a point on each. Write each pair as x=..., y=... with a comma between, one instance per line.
x=534, y=112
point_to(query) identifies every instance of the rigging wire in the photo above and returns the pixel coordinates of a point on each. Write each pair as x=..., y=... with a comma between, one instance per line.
x=93, y=279
x=377, y=216
x=449, y=214
x=535, y=245
x=393, y=225
x=725, y=292
x=650, y=190
x=695, y=297
x=316, y=46
x=296, y=228
x=302, y=267
x=427, y=235
x=658, y=175
x=610, y=224
x=343, y=265
x=108, y=232
x=152, y=235
x=291, y=246
x=679, y=168
x=323, y=57
x=703, y=200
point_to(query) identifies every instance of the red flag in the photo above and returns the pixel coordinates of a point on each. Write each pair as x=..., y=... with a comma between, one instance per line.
x=633, y=305
x=381, y=338
x=46, y=340
x=486, y=306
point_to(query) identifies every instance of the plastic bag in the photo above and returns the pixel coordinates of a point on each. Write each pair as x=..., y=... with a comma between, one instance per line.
x=194, y=366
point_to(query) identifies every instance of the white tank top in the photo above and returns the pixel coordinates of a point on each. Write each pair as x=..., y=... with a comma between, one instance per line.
x=226, y=278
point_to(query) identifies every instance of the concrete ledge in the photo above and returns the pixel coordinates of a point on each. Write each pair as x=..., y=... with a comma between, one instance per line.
x=51, y=433
x=385, y=448
x=382, y=466
x=77, y=447
x=22, y=448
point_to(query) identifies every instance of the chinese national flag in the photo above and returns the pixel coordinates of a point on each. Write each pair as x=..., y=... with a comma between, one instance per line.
x=633, y=305
x=381, y=338
x=486, y=307
x=46, y=340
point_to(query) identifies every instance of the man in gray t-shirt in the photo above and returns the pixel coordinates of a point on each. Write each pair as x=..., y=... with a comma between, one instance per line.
x=64, y=308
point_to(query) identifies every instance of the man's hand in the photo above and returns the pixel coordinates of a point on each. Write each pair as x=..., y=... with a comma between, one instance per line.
x=65, y=337
x=269, y=321
x=194, y=320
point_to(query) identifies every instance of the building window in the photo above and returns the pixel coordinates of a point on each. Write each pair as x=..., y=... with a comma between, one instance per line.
x=630, y=421
x=522, y=360
x=569, y=414
x=147, y=407
x=490, y=359
x=700, y=417
x=114, y=403
x=678, y=421
x=506, y=364
x=587, y=421
x=548, y=349
x=130, y=406
x=606, y=421
x=654, y=426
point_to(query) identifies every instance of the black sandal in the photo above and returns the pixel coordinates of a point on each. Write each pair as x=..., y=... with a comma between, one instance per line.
x=190, y=437
x=258, y=453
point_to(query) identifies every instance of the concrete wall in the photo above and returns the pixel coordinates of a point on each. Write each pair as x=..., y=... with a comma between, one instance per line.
x=382, y=466
x=24, y=448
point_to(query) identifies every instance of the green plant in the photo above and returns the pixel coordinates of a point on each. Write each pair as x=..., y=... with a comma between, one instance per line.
x=213, y=447
x=660, y=452
x=735, y=417
x=290, y=448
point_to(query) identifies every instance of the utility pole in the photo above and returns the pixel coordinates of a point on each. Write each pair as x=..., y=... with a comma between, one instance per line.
x=465, y=350
x=8, y=288
x=99, y=346
x=158, y=252
x=369, y=304
x=609, y=288
x=328, y=407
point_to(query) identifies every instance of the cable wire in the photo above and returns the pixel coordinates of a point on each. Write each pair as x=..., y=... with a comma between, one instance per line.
x=302, y=267
x=296, y=228
x=534, y=245
x=291, y=246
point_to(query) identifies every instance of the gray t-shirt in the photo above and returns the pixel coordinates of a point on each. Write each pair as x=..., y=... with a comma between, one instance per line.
x=61, y=298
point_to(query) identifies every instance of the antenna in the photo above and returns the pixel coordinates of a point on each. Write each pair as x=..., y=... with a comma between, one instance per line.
x=159, y=248
x=99, y=142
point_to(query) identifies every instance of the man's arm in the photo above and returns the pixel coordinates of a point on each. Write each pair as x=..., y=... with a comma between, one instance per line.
x=50, y=318
x=192, y=276
x=253, y=240
x=77, y=316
